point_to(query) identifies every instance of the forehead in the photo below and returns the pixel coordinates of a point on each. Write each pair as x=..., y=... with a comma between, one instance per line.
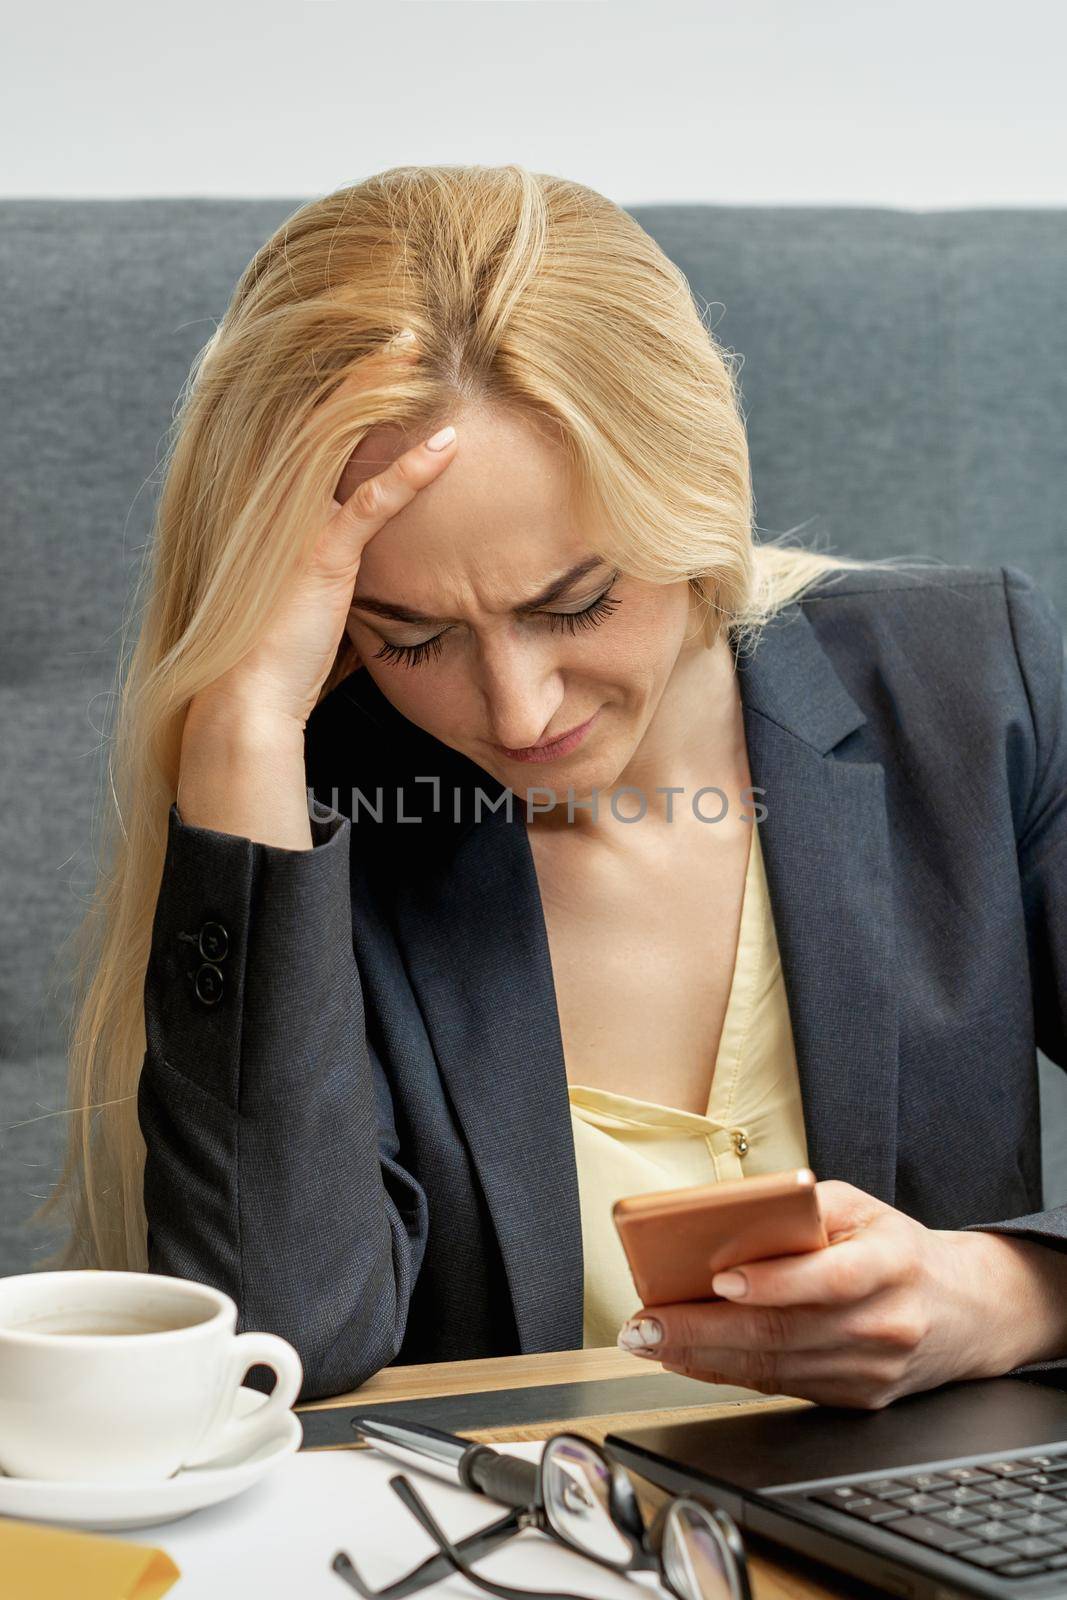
x=493, y=528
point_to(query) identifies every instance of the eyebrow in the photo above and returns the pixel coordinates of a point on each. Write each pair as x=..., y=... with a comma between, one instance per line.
x=553, y=591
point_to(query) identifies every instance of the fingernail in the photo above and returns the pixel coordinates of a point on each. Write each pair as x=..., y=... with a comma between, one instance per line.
x=643, y=1334
x=439, y=440
x=732, y=1285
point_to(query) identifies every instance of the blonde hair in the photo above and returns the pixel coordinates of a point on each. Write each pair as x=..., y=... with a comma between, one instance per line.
x=525, y=291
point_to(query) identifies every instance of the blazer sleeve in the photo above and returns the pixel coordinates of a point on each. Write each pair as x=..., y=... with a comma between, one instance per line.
x=1041, y=837
x=272, y=1165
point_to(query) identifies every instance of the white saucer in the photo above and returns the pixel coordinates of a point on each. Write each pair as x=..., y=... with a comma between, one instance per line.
x=113, y=1506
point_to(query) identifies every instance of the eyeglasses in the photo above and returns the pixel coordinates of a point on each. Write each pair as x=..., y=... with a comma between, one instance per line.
x=585, y=1501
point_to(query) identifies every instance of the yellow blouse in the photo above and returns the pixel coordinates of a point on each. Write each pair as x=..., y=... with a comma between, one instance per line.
x=754, y=1121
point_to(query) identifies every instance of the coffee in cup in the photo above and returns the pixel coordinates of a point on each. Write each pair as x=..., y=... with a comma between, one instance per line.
x=114, y=1377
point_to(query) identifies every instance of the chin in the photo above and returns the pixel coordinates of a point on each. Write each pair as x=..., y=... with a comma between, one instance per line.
x=583, y=777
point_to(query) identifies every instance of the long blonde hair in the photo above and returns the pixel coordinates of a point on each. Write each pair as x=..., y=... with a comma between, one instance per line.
x=525, y=291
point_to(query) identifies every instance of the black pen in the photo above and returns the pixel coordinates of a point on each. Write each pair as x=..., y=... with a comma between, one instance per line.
x=507, y=1479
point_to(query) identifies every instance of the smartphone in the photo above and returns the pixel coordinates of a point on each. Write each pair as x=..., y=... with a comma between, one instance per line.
x=676, y=1240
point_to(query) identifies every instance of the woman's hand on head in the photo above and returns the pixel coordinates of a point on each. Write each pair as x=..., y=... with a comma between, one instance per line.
x=888, y=1308
x=283, y=676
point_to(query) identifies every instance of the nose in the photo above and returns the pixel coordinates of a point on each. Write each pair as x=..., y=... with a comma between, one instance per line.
x=523, y=690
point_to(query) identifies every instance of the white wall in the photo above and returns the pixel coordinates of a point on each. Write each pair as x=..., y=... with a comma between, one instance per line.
x=943, y=103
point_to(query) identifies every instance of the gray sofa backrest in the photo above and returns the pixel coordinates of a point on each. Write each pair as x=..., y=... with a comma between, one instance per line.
x=904, y=381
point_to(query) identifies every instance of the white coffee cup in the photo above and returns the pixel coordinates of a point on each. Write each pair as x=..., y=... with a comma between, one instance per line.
x=127, y=1377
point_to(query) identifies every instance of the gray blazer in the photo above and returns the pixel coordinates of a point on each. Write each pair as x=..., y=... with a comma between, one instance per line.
x=354, y=1097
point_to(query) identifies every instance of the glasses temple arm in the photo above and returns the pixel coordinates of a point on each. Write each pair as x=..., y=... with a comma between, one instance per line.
x=436, y=1567
x=418, y=1508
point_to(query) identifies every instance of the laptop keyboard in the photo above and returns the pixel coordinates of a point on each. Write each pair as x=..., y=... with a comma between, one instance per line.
x=1007, y=1516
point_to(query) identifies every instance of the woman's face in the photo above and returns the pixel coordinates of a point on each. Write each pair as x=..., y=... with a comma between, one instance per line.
x=499, y=665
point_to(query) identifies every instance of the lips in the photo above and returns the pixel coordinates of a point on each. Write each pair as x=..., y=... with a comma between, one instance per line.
x=553, y=748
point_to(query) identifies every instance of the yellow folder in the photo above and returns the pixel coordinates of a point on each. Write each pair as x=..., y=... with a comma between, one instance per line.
x=39, y=1562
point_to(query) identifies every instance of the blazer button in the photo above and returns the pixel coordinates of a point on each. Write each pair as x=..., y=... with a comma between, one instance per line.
x=208, y=984
x=214, y=941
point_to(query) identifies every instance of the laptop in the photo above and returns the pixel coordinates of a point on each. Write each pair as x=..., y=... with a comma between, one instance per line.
x=956, y=1491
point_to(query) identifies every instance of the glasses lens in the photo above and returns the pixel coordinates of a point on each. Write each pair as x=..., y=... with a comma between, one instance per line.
x=695, y=1557
x=577, y=1484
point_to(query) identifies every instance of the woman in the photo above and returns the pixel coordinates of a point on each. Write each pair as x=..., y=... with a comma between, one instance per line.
x=391, y=990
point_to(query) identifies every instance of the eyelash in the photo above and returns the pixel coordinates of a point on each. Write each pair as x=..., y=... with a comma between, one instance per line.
x=411, y=655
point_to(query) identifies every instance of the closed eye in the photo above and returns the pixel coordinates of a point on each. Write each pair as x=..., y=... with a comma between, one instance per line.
x=598, y=611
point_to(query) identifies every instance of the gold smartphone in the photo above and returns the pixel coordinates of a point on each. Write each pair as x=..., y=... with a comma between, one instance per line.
x=676, y=1240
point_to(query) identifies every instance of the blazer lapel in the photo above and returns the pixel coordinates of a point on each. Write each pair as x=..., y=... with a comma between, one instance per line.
x=477, y=952
x=825, y=842
x=466, y=907
x=472, y=928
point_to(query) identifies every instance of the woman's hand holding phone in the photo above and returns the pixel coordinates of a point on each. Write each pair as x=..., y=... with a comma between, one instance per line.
x=889, y=1308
